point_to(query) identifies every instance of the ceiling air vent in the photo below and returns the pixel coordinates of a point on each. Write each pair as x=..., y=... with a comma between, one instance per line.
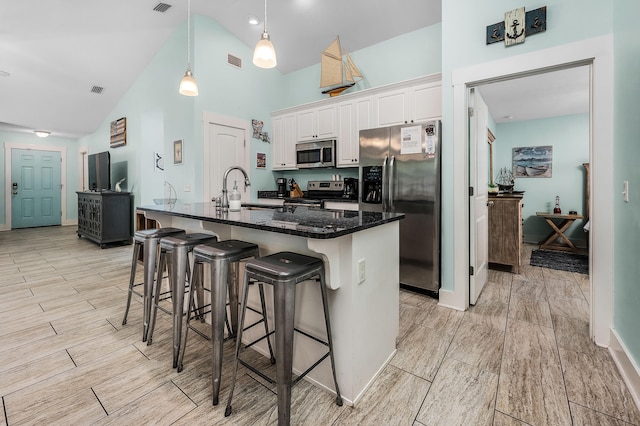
x=162, y=7
x=97, y=89
x=234, y=61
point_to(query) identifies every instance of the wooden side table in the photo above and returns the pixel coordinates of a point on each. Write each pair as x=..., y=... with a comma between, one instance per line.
x=550, y=241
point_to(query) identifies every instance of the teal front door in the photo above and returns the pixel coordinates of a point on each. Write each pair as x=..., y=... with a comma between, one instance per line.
x=35, y=188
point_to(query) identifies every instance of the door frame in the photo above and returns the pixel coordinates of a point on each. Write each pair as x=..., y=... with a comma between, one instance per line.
x=598, y=53
x=8, y=146
x=222, y=120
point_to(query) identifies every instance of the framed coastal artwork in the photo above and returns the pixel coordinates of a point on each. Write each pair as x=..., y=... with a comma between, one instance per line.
x=532, y=161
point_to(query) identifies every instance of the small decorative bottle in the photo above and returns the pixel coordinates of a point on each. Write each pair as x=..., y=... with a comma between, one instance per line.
x=234, y=199
x=556, y=209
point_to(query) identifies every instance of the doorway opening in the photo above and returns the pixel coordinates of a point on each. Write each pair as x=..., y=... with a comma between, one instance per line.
x=598, y=53
x=541, y=124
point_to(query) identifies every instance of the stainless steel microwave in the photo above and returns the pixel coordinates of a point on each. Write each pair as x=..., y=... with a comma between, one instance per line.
x=316, y=154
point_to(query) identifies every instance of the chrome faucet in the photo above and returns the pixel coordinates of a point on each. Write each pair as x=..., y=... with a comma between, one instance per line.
x=247, y=182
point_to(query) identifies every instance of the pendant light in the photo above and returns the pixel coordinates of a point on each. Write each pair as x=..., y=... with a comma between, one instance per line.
x=188, y=85
x=264, y=55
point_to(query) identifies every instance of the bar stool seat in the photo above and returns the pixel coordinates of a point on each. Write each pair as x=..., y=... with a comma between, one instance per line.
x=177, y=249
x=223, y=256
x=148, y=238
x=284, y=271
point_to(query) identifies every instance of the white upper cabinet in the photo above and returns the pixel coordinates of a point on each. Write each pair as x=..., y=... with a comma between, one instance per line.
x=317, y=123
x=353, y=116
x=343, y=117
x=409, y=105
x=425, y=102
x=392, y=108
x=283, y=143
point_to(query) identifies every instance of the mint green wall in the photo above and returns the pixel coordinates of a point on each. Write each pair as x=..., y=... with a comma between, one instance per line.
x=626, y=155
x=157, y=114
x=463, y=44
x=71, y=171
x=401, y=58
x=569, y=137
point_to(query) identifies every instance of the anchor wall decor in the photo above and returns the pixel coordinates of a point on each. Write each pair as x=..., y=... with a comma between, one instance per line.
x=517, y=25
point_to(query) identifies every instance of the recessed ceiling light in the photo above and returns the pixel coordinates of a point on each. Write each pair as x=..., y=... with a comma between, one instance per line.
x=508, y=117
x=41, y=133
x=253, y=20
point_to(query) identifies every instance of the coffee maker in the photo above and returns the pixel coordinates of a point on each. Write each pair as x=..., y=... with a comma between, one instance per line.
x=351, y=188
x=282, y=187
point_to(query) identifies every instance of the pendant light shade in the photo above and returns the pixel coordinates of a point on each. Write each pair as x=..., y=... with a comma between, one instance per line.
x=188, y=85
x=264, y=55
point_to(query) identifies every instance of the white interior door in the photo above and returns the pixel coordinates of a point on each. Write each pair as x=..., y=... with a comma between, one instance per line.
x=226, y=149
x=478, y=176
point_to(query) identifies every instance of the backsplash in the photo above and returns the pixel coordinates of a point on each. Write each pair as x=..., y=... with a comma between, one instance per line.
x=304, y=176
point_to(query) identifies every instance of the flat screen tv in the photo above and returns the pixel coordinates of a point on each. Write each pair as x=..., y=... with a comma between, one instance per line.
x=99, y=171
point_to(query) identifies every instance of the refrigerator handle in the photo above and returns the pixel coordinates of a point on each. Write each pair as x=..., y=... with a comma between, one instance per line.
x=391, y=183
x=384, y=184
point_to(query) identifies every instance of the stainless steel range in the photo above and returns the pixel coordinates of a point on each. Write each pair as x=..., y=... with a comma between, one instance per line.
x=318, y=191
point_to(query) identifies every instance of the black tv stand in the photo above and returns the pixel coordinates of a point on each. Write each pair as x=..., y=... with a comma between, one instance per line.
x=104, y=217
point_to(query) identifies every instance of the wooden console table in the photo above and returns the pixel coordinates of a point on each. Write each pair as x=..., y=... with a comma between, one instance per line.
x=550, y=242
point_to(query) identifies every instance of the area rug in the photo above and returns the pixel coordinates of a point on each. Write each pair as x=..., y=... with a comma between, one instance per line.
x=563, y=261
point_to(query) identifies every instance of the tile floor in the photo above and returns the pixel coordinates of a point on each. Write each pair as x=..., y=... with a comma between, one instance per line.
x=520, y=356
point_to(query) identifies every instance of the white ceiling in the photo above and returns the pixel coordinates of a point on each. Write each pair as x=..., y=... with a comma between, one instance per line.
x=55, y=51
x=545, y=95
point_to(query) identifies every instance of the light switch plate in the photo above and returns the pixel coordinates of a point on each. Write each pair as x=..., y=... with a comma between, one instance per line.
x=362, y=268
x=625, y=191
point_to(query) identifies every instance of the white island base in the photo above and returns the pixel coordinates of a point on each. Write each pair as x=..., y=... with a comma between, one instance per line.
x=364, y=315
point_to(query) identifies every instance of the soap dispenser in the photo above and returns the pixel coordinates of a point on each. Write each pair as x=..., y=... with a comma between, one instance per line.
x=234, y=199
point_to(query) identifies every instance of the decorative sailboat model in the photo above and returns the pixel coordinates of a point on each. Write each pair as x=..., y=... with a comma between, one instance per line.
x=336, y=74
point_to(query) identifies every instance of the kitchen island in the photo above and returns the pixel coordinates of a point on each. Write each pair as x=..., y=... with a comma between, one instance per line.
x=360, y=251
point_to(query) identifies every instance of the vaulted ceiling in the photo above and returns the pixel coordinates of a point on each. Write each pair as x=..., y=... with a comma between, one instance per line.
x=53, y=52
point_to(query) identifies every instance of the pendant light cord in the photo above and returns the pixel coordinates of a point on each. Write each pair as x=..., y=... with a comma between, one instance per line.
x=189, y=35
x=265, y=16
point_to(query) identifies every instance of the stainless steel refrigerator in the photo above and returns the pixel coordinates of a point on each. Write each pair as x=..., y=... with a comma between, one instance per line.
x=400, y=172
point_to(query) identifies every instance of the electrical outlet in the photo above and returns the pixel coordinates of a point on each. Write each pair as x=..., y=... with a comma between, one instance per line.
x=187, y=188
x=362, y=274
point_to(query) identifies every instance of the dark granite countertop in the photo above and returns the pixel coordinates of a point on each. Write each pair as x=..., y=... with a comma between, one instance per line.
x=310, y=222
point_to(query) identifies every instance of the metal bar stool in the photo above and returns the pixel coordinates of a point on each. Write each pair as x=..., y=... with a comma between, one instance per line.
x=223, y=257
x=284, y=271
x=177, y=249
x=149, y=238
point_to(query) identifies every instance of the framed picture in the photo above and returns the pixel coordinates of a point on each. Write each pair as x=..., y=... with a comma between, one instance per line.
x=532, y=161
x=177, y=152
x=118, y=133
x=261, y=160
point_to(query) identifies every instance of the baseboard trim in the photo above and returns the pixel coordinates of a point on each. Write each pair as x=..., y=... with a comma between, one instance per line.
x=448, y=299
x=627, y=367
